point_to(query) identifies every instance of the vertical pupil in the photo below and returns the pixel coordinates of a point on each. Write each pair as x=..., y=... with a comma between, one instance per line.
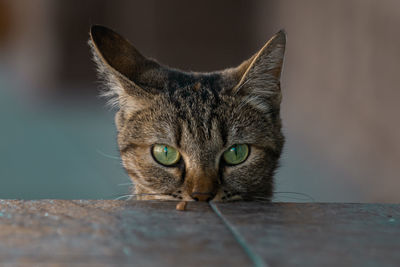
x=234, y=148
x=166, y=151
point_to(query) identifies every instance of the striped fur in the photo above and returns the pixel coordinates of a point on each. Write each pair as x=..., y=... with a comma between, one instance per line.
x=200, y=114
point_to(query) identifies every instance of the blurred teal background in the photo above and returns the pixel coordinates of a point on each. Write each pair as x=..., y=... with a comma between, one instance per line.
x=57, y=151
x=340, y=90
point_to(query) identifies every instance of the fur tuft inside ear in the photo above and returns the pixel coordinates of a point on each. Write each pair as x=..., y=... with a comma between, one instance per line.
x=111, y=87
x=259, y=76
x=120, y=66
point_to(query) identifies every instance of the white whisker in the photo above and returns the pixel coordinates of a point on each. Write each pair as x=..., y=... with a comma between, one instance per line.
x=106, y=155
x=128, y=197
x=124, y=184
x=308, y=197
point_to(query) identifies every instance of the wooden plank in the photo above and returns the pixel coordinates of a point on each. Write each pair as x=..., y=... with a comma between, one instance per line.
x=287, y=234
x=117, y=233
x=114, y=233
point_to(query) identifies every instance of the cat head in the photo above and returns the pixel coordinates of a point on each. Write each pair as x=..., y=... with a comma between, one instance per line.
x=190, y=135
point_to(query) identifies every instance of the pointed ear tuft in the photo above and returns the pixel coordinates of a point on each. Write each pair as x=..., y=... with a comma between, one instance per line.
x=276, y=50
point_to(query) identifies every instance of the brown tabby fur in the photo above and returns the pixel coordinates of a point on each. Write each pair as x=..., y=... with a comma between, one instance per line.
x=199, y=114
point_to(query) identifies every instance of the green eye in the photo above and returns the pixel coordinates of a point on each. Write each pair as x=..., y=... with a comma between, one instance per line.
x=165, y=154
x=236, y=154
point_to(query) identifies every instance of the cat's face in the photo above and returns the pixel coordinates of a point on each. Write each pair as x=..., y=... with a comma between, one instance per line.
x=194, y=136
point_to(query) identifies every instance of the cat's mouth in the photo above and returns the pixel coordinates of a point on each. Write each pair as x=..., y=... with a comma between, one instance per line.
x=220, y=196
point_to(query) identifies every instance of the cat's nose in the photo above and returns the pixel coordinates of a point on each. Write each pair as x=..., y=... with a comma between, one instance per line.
x=201, y=184
x=199, y=196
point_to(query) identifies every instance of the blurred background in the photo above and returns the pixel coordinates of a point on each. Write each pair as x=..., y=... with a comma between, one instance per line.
x=340, y=90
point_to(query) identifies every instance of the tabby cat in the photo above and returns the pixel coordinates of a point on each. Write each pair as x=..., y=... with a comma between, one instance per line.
x=190, y=135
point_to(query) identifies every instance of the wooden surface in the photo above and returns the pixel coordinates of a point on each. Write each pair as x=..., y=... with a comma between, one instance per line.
x=135, y=233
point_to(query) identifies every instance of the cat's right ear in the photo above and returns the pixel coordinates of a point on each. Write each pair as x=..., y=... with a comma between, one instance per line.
x=258, y=78
x=121, y=67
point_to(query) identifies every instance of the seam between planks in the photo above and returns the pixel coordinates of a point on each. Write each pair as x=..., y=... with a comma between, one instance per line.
x=254, y=257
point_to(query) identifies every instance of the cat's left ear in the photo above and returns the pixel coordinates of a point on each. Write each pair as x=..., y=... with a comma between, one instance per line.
x=258, y=77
